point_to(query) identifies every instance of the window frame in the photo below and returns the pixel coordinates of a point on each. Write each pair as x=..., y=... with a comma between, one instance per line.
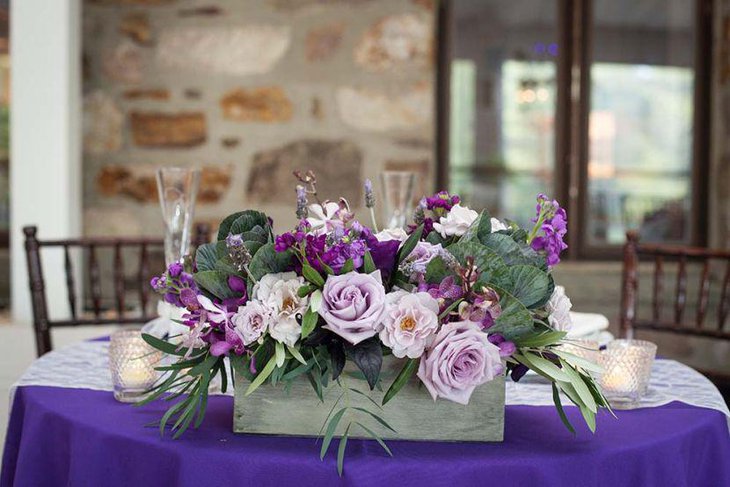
x=575, y=27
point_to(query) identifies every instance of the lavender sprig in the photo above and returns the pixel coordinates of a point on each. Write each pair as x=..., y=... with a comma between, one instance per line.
x=370, y=202
x=239, y=254
x=302, y=211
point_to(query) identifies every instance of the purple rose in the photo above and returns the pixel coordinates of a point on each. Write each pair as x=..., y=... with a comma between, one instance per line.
x=459, y=359
x=352, y=305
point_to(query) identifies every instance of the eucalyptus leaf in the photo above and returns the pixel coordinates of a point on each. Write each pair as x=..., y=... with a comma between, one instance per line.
x=341, y=450
x=261, y=377
x=559, y=407
x=407, y=247
x=375, y=437
x=409, y=368
x=296, y=354
x=580, y=387
x=279, y=354
x=577, y=361
x=541, y=339
x=309, y=322
x=330, y=432
x=547, y=367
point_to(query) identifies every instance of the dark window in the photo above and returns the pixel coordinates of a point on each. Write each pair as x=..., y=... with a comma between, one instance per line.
x=600, y=103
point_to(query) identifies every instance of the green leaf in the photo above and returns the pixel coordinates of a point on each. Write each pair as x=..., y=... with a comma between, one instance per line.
x=341, y=450
x=540, y=339
x=311, y=275
x=485, y=259
x=577, y=361
x=203, y=399
x=172, y=411
x=561, y=411
x=375, y=437
x=482, y=226
x=368, y=356
x=279, y=354
x=309, y=322
x=409, y=368
x=306, y=290
x=368, y=263
x=261, y=377
x=376, y=417
x=337, y=358
x=366, y=396
x=207, y=255
x=528, y=284
x=580, y=387
x=295, y=353
x=538, y=363
x=215, y=282
x=590, y=418
x=167, y=347
x=407, y=247
x=511, y=252
x=268, y=261
x=204, y=366
x=515, y=320
x=240, y=222
x=332, y=409
x=437, y=271
x=330, y=432
x=349, y=266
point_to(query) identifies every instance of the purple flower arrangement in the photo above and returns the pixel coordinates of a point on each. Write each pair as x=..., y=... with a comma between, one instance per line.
x=460, y=298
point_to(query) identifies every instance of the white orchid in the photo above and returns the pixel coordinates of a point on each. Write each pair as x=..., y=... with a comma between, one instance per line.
x=325, y=218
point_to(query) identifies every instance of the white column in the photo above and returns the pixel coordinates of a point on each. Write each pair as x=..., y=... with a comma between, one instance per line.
x=45, y=133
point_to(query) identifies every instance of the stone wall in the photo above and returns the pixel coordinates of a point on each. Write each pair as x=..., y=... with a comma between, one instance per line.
x=249, y=90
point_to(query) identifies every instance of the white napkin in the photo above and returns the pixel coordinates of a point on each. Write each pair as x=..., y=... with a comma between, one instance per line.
x=164, y=325
x=590, y=326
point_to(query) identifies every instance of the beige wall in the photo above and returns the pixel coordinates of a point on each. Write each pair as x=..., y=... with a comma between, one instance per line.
x=250, y=90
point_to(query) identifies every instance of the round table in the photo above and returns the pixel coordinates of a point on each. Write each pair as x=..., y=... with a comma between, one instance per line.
x=66, y=436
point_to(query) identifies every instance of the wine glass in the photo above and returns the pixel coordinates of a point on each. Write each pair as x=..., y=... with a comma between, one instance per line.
x=178, y=189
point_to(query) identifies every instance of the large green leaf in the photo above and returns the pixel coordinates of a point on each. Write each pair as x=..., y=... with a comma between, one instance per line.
x=437, y=271
x=208, y=254
x=515, y=319
x=256, y=234
x=527, y=283
x=252, y=219
x=267, y=261
x=486, y=260
x=482, y=226
x=215, y=282
x=512, y=252
x=247, y=221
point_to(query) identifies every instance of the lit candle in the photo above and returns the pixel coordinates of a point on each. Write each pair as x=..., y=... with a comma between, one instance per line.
x=132, y=364
x=627, y=367
x=617, y=380
x=136, y=377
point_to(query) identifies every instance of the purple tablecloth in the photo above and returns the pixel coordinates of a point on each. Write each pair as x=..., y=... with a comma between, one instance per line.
x=81, y=437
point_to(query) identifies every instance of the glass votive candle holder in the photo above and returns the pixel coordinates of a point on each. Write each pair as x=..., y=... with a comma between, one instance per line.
x=132, y=362
x=626, y=371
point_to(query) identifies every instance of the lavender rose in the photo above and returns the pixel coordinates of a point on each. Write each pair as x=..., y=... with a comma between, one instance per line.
x=423, y=253
x=409, y=323
x=459, y=359
x=251, y=321
x=352, y=305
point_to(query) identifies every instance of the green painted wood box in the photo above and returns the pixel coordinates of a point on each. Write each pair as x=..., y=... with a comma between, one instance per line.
x=412, y=413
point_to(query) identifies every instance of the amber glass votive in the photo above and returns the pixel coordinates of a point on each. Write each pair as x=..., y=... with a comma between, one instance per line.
x=132, y=362
x=627, y=369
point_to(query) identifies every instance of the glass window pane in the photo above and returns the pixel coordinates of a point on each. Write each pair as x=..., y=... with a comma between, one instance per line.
x=640, y=125
x=503, y=99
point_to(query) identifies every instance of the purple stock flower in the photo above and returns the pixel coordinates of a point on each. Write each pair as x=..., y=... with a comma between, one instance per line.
x=175, y=269
x=553, y=222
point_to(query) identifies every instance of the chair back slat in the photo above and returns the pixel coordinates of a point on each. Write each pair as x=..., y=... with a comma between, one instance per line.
x=70, y=281
x=142, y=273
x=724, y=307
x=90, y=248
x=661, y=255
x=658, y=288
x=704, y=294
x=119, y=279
x=94, y=280
x=681, y=299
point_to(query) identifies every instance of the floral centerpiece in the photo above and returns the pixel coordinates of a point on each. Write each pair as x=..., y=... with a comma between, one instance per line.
x=459, y=298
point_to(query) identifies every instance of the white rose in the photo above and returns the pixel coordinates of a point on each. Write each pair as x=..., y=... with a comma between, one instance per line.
x=279, y=293
x=456, y=222
x=409, y=323
x=497, y=225
x=391, y=234
x=286, y=330
x=251, y=321
x=558, y=307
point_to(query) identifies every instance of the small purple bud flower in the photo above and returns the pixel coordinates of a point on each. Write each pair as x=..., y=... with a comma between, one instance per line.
x=175, y=269
x=234, y=240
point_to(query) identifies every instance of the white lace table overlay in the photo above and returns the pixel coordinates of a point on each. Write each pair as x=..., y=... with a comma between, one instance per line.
x=86, y=366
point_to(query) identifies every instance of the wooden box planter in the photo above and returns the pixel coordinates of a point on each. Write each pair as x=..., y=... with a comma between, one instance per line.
x=412, y=413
